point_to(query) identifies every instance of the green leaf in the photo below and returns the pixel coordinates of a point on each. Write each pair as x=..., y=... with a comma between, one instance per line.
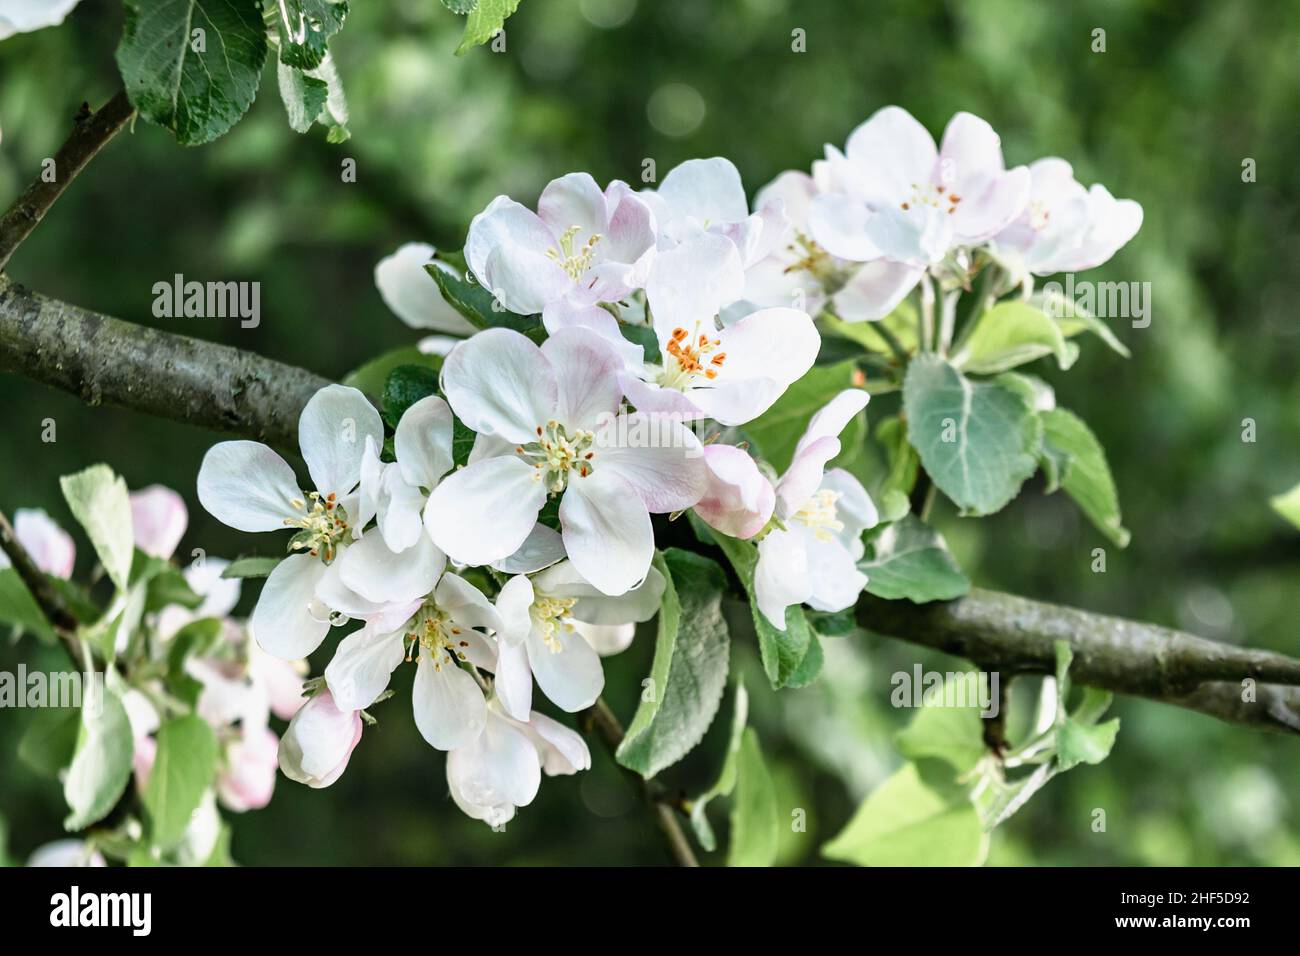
x=911, y=560
x=912, y=820
x=408, y=384
x=782, y=651
x=1074, y=319
x=304, y=38
x=100, y=502
x=479, y=306
x=487, y=17
x=901, y=323
x=167, y=588
x=19, y=608
x=460, y=6
x=192, y=640
x=903, y=461
x=726, y=781
x=689, y=672
x=954, y=735
x=755, y=833
x=197, y=95
x=810, y=668
x=1288, y=505
x=182, y=771
x=1011, y=334
x=779, y=429
x=50, y=741
x=1078, y=743
x=1087, y=477
x=101, y=765
x=976, y=440
x=314, y=96
x=250, y=567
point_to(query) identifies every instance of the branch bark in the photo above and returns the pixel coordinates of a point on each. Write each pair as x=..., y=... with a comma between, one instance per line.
x=1015, y=635
x=90, y=133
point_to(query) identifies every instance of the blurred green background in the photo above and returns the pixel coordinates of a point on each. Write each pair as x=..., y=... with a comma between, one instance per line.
x=1184, y=92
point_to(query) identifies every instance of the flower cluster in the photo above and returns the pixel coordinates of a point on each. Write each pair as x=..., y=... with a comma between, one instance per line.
x=502, y=534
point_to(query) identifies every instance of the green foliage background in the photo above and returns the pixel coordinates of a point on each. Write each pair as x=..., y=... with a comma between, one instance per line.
x=1184, y=92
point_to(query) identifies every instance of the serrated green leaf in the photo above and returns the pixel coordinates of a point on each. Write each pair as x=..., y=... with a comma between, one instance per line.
x=910, y=560
x=1087, y=478
x=314, y=96
x=462, y=7
x=198, y=94
x=755, y=836
x=977, y=440
x=182, y=771
x=101, y=504
x=487, y=17
x=1078, y=743
x=408, y=384
x=304, y=38
x=1011, y=334
x=953, y=734
x=689, y=672
x=1074, y=319
x=101, y=766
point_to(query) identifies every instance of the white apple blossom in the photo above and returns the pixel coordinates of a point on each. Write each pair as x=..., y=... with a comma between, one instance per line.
x=501, y=769
x=552, y=625
x=49, y=546
x=582, y=246
x=550, y=415
x=319, y=742
x=66, y=853
x=248, y=486
x=159, y=519
x=219, y=596
x=1065, y=228
x=26, y=16
x=408, y=290
x=811, y=556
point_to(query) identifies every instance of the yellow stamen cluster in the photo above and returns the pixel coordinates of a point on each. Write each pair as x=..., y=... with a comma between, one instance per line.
x=556, y=455
x=551, y=615
x=434, y=631
x=575, y=264
x=818, y=514
x=932, y=195
x=324, y=523
x=691, y=357
x=812, y=258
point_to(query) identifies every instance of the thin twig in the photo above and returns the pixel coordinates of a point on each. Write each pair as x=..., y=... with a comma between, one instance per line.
x=49, y=601
x=90, y=133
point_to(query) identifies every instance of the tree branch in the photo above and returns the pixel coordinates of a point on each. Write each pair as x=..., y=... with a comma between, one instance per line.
x=1015, y=635
x=90, y=133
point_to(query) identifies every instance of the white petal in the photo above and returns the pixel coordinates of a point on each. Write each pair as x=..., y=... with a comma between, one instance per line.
x=707, y=190
x=595, y=607
x=401, y=510
x=422, y=442
x=781, y=575
x=689, y=284
x=660, y=459
x=542, y=548
x=500, y=383
x=875, y=290
x=991, y=206
x=410, y=292
x=514, y=679
x=448, y=704
x=574, y=200
x=795, y=190
x=383, y=576
x=159, y=518
x=332, y=433
x=854, y=508
x=485, y=511
x=971, y=151
x=283, y=622
x=565, y=314
x=501, y=768
x=919, y=235
x=607, y=639
x=362, y=665
x=525, y=280
x=891, y=152
x=804, y=476
x=247, y=486
x=466, y=604
x=835, y=578
x=572, y=676
x=587, y=369
x=838, y=223
x=607, y=531
x=563, y=750
x=739, y=499
x=513, y=606
x=833, y=417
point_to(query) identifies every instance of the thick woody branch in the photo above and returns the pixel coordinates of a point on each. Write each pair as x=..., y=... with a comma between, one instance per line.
x=90, y=133
x=1014, y=635
x=105, y=360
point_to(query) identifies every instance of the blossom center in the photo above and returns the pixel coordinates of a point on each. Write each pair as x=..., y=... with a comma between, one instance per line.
x=933, y=195
x=691, y=357
x=574, y=263
x=557, y=454
x=552, y=614
x=1039, y=215
x=434, y=630
x=323, y=524
x=818, y=514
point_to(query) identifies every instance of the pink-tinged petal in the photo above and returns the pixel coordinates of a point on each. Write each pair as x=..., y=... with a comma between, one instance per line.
x=606, y=639
x=247, y=486
x=422, y=442
x=660, y=459
x=971, y=152
x=159, y=518
x=631, y=226
x=410, y=292
x=567, y=668
x=834, y=575
x=49, y=546
x=332, y=433
x=587, y=369
x=781, y=576
x=875, y=290
x=362, y=665
x=523, y=279
x=499, y=383
x=892, y=154
x=286, y=621
x=563, y=751
x=838, y=223
x=281, y=681
x=992, y=206
x=504, y=222
x=574, y=200
x=565, y=314
x=542, y=548
x=485, y=511
x=804, y=476
x=690, y=283
x=706, y=190
x=833, y=417
x=448, y=704
x=739, y=500
x=607, y=531
x=319, y=742
x=247, y=777
x=370, y=568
